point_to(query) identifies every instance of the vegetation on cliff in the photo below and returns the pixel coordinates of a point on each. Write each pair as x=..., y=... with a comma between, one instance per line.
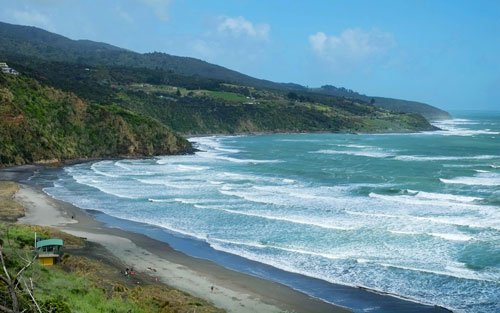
x=197, y=105
x=396, y=105
x=43, y=124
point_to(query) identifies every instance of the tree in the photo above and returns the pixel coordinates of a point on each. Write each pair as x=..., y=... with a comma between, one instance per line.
x=178, y=93
x=292, y=96
x=16, y=286
x=372, y=101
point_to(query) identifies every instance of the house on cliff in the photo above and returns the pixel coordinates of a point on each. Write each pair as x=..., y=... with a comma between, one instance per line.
x=7, y=70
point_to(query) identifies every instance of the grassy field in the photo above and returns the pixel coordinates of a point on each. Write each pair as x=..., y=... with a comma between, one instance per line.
x=227, y=96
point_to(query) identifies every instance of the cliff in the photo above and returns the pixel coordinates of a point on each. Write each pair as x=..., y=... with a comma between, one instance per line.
x=41, y=124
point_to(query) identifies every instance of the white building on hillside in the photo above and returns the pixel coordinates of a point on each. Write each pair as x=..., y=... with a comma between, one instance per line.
x=7, y=70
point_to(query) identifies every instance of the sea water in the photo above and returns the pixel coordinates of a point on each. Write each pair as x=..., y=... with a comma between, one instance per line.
x=415, y=215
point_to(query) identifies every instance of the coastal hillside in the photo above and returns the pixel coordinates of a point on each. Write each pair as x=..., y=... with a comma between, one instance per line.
x=42, y=124
x=196, y=105
x=33, y=42
x=396, y=105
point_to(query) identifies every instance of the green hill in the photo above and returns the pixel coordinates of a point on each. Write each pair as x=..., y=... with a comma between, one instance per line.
x=43, y=124
x=37, y=43
x=195, y=105
x=396, y=105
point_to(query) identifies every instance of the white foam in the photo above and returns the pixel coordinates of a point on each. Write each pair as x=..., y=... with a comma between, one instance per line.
x=444, y=158
x=452, y=237
x=248, y=161
x=93, y=167
x=191, y=201
x=473, y=181
x=215, y=182
x=213, y=149
x=465, y=274
x=229, y=150
x=426, y=198
x=174, y=229
x=482, y=171
x=228, y=191
x=122, y=166
x=355, y=146
x=211, y=240
x=289, y=195
x=456, y=121
x=169, y=184
x=369, y=154
x=448, y=197
x=190, y=168
x=110, y=191
x=455, y=128
x=474, y=222
x=97, y=184
x=286, y=249
x=159, y=200
x=291, y=219
x=237, y=176
x=299, y=140
x=403, y=232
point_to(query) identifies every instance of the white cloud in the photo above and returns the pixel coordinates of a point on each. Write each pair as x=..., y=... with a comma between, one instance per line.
x=160, y=7
x=241, y=27
x=231, y=38
x=352, y=46
x=32, y=18
x=124, y=15
x=204, y=49
x=234, y=42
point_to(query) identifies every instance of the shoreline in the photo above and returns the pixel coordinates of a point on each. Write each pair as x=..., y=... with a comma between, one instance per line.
x=235, y=291
x=340, y=132
x=56, y=163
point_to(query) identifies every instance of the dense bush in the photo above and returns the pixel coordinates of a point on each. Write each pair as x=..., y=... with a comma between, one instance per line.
x=40, y=123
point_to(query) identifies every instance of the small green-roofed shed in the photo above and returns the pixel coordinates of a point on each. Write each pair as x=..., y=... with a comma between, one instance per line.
x=49, y=242
x=49, y=250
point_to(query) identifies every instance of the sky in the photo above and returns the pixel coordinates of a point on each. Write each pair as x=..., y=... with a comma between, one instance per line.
x=445, y=53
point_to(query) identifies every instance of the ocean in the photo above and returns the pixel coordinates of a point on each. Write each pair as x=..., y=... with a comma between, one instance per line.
x=415, y=215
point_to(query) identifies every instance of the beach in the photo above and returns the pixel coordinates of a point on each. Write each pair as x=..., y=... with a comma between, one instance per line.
x=232, y=291
x=229, y=289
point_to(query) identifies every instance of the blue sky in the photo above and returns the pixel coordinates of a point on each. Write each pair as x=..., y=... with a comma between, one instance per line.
x=445, y=53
